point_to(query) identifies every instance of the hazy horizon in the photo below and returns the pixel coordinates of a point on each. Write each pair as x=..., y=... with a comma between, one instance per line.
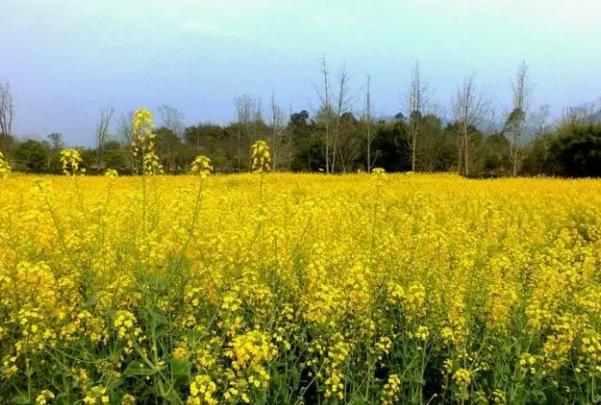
x=66, y=59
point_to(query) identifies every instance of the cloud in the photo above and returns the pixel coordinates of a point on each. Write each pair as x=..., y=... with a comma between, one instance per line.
x=321, y=18
x=199, y=26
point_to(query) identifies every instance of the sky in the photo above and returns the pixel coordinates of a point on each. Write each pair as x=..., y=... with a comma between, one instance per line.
x=67, y=59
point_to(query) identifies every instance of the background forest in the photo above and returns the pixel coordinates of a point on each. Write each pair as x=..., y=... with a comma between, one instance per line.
x=343, y=134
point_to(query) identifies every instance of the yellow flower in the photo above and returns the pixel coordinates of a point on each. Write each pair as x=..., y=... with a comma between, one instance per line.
x=384, y=344
x=201, y=166
x=5, y=167
x=128, y=400
x=251, y=348
x=180, y=353
x=261, y=157
x=462, y=377
x=70, y=160
x=96, y=396
x=143, y=143
x=391, y=391
x=111, y=173
x=44, y=397
x=202, y=391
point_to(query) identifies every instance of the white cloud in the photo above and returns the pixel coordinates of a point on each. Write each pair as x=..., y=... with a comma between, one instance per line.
x=321, y=18
x=199, y=26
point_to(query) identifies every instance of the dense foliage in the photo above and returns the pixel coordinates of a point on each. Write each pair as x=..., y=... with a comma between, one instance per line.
x=570, y=149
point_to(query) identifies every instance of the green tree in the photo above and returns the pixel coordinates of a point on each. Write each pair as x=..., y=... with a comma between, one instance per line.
x=167, y=145
x=115, y=156
x=436, y=148
x=577, y=150
x=306, y=139
x=33, y=155
x=390, y=145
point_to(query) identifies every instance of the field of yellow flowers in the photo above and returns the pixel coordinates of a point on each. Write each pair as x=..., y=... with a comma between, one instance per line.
x=291, y=288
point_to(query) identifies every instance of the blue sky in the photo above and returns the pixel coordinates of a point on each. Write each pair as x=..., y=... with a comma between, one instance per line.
x=65, y=59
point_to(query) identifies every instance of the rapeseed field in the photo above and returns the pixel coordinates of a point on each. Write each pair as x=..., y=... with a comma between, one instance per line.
x=297, y=288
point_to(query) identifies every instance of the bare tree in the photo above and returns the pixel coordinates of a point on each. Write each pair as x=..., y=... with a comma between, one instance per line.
x=326, y=107
x=583, y=113
x=350, y=138
x=334, y=104
x=343, y=105
x=277, y=129
x=432, y=142
x=538, y=121
x=416, y=100
x=248, y=116
x=469, y=110
x=368, y=118
x=56, y=140
x=124, y=129
x=7, y=114
x=248, y=110
x=515, y=125
x=172, y=120
x=102, y=132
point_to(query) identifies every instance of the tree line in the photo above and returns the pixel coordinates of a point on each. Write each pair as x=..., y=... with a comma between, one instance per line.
x=344, y=135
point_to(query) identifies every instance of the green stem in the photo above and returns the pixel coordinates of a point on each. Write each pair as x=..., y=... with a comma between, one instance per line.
x=197, y=208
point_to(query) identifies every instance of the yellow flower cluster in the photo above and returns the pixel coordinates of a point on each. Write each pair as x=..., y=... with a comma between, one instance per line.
x=359, y=288
x=337, y=355
x=251, y=349
x=202, y=390
x=249, y=353
x=96, y=396
x=462, y=377
x=392, y=390
x=5, y=167
x=70, y=160
x=111, y=173
x=261, y=157
x=125, y=326
x=589, y=361
x=143, y=143
x=379, y=176
x=201, y=166
x=44, y=397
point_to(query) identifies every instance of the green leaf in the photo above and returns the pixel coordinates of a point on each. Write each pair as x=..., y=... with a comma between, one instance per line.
x=181, y=368
x=21, y=399
x=171, y=396
x=156, y=317
x=137, y=368
x=193, y=337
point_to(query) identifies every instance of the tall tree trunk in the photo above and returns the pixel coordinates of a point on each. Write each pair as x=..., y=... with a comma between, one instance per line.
x=466, y=151
x=413, y=152
x=459, y=153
